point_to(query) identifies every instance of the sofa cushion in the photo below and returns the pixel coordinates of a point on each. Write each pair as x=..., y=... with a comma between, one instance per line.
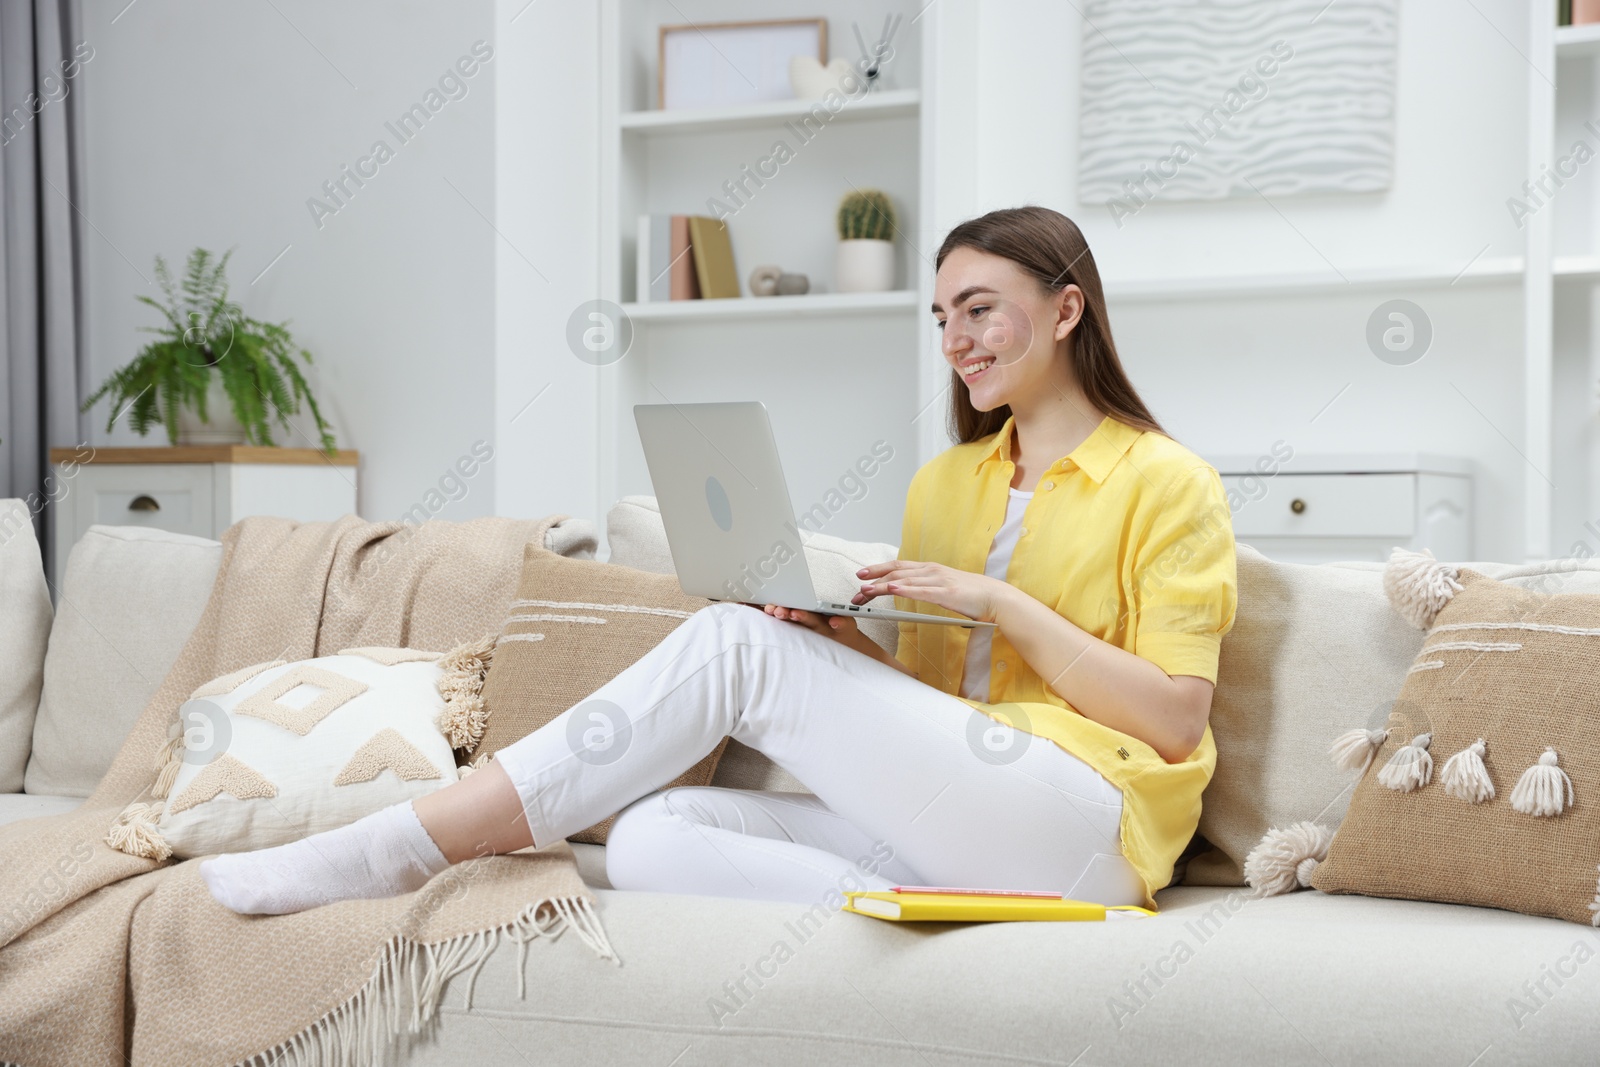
x=1314, y=651
x=635, y=536
x=24, y=632
x=1218, y=978
x=130, y=599
x=591, y=862
x=17, y=806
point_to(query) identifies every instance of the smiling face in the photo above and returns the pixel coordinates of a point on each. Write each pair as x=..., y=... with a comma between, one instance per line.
x=1000, y=328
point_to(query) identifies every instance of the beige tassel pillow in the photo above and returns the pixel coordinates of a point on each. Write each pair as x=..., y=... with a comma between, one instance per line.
x=278, y=751
x=1484, y=786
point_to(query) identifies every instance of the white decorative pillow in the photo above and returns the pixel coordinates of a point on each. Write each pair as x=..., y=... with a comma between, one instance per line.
x=275, y=752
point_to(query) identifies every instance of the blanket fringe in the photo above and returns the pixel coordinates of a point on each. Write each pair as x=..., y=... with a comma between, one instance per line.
x=408, y=982
x=463, y=669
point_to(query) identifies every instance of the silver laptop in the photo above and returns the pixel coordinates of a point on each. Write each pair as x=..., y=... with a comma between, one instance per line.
x=725, y=505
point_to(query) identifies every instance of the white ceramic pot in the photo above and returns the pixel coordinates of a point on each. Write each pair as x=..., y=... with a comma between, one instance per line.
x=222, y=428
x=810, y=80
x=864, y=265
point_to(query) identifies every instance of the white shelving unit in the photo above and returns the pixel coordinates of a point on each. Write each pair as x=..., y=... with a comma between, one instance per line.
x=881, y=104
x=848, y=351
x=1422, y=275
x=1563, y=254
x=1575, y=41
x=775, y=307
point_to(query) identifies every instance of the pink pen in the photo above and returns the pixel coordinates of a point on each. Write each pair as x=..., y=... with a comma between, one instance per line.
x=975, y=892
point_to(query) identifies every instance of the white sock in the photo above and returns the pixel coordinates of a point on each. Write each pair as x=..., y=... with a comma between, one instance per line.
x=380, y=855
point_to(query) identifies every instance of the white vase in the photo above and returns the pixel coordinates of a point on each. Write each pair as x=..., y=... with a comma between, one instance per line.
x=222, y=428
x=864, y=265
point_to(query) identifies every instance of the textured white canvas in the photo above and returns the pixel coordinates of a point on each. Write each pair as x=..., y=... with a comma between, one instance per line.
x=1243, y=98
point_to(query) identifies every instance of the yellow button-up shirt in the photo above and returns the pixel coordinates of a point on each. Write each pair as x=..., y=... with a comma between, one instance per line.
x=1130, y=538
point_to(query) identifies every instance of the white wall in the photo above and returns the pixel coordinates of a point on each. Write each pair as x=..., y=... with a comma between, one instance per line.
x=546, y=262
x=1235, y=375
x=212, y=124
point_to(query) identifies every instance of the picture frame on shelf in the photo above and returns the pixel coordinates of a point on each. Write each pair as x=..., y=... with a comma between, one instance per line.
x=720, y=64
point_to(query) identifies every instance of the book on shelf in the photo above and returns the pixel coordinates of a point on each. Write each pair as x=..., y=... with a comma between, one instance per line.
x=685, y=279
x=665, y=262
x=653, y=261
x=713, y=257
x=943, y=904
x=684, y=257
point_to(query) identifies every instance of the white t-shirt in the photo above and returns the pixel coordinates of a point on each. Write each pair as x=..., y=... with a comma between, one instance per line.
x=975, y=679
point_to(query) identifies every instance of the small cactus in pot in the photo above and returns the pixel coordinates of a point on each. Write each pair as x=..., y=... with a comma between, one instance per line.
x=865, y=260
x=866, y=214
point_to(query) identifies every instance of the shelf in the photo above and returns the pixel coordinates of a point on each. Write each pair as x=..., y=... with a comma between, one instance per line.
x=1576, y=268
x=884, y=104
x=1574, y=41
x=753, y=307
x=1503, y=270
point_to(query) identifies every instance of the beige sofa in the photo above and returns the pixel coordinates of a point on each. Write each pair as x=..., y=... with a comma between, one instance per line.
x=1218, y=977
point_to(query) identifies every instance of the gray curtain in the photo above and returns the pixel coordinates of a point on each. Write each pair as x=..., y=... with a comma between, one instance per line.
x=42, y=359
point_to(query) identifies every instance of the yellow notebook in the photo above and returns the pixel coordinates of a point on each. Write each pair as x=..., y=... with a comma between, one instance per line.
x=971, y=907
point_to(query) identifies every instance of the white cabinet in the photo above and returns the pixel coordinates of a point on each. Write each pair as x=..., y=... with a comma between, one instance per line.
x=1317, y=509
x=199, y=491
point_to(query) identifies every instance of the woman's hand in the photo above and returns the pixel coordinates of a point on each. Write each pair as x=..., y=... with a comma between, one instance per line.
x=841, y=628
x=838, y=627
x=977, y=596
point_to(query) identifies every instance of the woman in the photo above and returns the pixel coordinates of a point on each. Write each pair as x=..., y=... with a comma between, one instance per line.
x=1065, y=750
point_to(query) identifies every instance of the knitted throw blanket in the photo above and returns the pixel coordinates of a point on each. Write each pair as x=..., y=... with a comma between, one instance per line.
x=109, y=959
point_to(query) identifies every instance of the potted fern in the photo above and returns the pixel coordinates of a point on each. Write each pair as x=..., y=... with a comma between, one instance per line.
x=213, y=375
x=865, y=259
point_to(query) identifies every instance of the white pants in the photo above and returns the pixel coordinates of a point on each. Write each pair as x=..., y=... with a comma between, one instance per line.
x=910, y=784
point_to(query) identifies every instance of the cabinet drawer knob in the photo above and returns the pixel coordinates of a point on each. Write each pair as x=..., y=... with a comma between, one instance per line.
x=1297, y=506
x=143, y=503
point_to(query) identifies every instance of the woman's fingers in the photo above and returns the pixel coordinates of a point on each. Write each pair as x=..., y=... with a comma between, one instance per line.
x=836, y=626
x=809, y=619
x=877, y=577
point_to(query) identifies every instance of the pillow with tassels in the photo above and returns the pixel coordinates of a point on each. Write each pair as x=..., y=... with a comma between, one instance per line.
x=277, y=751
x=1484, y=785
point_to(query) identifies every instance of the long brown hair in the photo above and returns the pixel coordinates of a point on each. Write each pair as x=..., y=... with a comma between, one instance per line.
x=1049, y=246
